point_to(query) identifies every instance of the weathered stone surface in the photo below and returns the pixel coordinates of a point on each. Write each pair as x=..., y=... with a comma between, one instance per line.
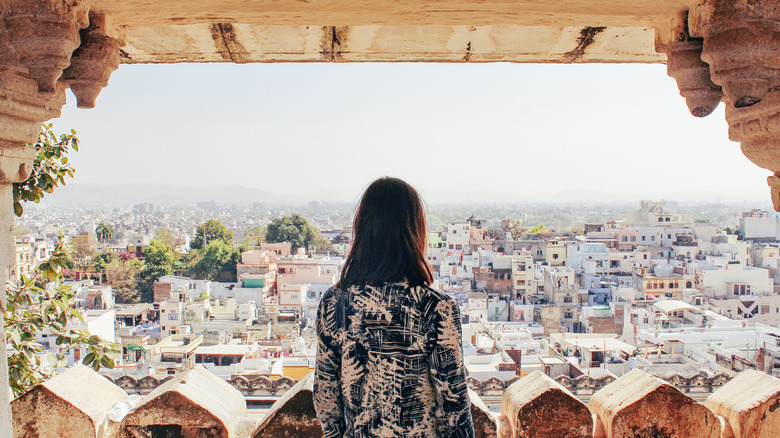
x=73, y=403
x=40, y=35
x=639, y=405
x=741, y=45
x=23, y=108
x=193, y=404
x=749, y=402
x=485, y=421
x=96, y=58
x=537, y=406
x=693, y=76
x=293, y=415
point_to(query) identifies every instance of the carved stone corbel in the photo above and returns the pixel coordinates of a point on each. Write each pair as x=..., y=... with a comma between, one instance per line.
x=96, y=58
x=685, y=66
x=41, y=36
x=741, y=45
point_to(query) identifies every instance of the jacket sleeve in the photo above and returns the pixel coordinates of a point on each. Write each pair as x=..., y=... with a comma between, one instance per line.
x=327, y=377
x=448, y=373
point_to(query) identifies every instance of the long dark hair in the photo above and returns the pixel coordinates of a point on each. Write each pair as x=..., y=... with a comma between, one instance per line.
x=390, y=237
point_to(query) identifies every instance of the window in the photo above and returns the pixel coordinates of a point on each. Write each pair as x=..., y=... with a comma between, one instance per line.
x=741, y=289
x=624, y=239
x=645, y=256
x=643, y=238
x=458, y=246
x=652, y=237
x=173, y=317
x=646, y=320
x=764, y=309
x=521, y=282
x=568, y=315
x=669, y=236
x=660, y=285
x=163, y=327
x=555, y=256
x=567, y=299
x=452, y=246
x=633, y=238
x=688, y=284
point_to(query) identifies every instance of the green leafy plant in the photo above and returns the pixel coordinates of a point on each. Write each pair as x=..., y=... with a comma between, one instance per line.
x=50, y=167
x=41, y=303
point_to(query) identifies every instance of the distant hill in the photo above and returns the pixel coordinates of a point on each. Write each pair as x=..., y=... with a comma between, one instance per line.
x=100, y=195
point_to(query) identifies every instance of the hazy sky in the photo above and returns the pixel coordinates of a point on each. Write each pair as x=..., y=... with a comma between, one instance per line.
x=513, y=128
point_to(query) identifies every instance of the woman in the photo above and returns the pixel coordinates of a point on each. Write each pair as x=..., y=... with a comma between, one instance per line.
x=389, y=358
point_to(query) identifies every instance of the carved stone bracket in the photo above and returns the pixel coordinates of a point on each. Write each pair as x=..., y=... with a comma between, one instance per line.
x=741, y=45
x=693, y=76
x=41, y=35
x=94, y=61
x=22, y=109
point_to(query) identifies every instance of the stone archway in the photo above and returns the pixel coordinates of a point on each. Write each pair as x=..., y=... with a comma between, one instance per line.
x=717, y=50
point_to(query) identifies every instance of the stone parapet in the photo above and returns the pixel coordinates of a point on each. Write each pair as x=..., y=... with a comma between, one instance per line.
x=749, y=403
x=537, y=405
x=638, y=404
x=74, y=403
x=197, y=403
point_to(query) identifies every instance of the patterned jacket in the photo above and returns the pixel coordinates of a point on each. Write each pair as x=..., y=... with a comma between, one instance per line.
x=390, y=364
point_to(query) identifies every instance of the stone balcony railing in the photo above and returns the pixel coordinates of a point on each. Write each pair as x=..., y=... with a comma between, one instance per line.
x=262, y=386
x=198, y=404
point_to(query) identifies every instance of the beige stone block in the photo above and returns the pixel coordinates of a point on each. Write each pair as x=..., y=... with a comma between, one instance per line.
x=485, y=421
x=749, y=402
x=193, y=404
x=638, y=404
x=74, y=403
x=538, y=406
x=293, y=415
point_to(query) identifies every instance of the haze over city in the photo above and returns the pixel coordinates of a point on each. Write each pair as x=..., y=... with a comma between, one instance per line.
x=486, y=132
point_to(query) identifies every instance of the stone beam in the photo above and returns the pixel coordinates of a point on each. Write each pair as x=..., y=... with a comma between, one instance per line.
x=395, y=12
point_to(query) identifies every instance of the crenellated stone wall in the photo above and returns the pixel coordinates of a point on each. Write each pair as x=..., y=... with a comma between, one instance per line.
x=198, y=404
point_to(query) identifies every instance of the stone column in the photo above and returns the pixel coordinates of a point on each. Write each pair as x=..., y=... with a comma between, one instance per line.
x=38, y=40
x=22, y=109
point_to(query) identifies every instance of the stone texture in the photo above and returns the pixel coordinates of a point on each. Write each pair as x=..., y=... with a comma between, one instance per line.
x=193, y=404
x=538, y=406
x=293, y=415
x=485, y=421
x=639, y=405
x=40, y=35
x=749, y=402
x=96, y=58
x=73, y=403
x=741, y=45
x=693, y=76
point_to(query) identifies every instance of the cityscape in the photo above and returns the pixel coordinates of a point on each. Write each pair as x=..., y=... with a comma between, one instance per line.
x=674, y=293
x=600, y=182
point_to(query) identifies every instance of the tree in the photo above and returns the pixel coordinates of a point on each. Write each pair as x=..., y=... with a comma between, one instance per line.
x=31, y=310
x=213, y=230
x=49, y=169
x=122, y=274
x=217, y=262
x=254, y=236
x=164, y=235
x=516, y=229
x=159, y=260
x=104, y=232
x=539, y=228
x=294, y=229
x=81, y=251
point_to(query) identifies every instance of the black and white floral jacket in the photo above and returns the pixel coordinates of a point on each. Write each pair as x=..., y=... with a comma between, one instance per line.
x=390, y=364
